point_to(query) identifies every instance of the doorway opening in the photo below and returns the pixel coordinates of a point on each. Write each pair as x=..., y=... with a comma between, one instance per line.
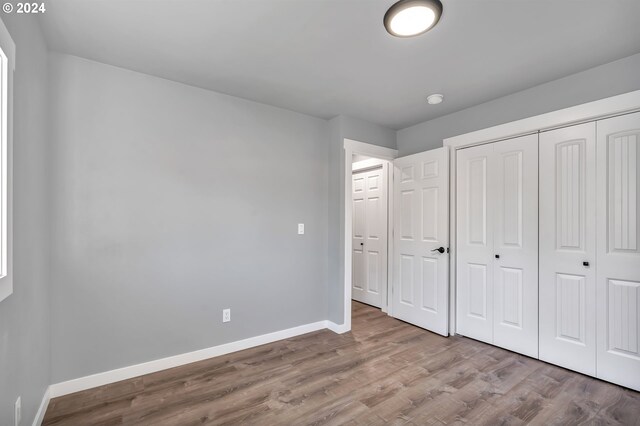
x=363, y=151
x=417, y=234
x=370, y=230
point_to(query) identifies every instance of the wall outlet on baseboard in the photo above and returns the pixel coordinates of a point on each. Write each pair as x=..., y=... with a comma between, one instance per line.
x=226, y=315
x=18, y=411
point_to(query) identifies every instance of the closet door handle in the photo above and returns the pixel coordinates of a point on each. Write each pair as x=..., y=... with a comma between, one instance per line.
x=439, y=250
x=497, y=256
x=585, y=263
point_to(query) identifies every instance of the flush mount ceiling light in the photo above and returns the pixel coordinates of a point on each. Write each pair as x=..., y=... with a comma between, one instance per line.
x=408, y=18
x=435, y=99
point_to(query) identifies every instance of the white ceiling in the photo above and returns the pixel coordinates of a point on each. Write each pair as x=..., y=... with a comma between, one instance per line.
x=330, y=57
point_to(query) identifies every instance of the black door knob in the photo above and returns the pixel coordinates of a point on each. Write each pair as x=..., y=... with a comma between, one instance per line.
x=585, y=263
x=439, y=250
x=497, y=256
x=361, y=244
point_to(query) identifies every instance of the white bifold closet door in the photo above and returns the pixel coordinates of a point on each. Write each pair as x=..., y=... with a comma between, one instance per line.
x=369, y=279
x=618, y=250
x=497, y=243
x=590, y=248
x=421, y=240
x=568, y=247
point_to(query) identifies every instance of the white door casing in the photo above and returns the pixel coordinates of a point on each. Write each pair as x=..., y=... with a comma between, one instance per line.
x=567, y=240
x=497, y=243
x=421, y=230
x=370, y=234
x=618, y=250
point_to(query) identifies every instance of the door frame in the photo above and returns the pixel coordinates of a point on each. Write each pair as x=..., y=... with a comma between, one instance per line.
x=597, y=110
x=382, y=153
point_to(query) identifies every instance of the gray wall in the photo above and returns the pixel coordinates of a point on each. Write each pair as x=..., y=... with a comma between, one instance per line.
x=24, y=316
x=364, y=131
x=172, y=203
x=596, y=83
x=343, y=127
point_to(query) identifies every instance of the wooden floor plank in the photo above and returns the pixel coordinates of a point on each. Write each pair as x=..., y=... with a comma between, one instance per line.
x=383, y=372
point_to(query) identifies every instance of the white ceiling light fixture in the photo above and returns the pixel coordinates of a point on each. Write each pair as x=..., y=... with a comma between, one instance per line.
x=408, y=18
x=435, y=99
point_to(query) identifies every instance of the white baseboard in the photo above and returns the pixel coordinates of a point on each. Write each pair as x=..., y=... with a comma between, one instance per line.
x=100, y=379
x=37, y=421
x=338, y=328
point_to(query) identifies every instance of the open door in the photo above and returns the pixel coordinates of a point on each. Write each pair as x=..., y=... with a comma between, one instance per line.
x=421, y=240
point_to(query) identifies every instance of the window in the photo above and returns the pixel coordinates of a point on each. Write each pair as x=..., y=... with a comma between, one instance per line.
x=7, y=55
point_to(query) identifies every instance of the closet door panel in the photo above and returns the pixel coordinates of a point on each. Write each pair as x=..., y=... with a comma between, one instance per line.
x=618, y=254
x=474, y=265
x=567, y=240
x=515, y=241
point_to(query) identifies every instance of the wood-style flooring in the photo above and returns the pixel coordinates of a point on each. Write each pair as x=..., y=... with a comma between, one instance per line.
x=383, y=372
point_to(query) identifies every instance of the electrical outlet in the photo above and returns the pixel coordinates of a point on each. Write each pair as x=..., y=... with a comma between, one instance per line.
x=18, y=411
x=300, y=228
x=226, y=315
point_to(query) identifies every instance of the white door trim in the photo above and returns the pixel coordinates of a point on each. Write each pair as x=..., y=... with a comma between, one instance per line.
x=590, y=111
x=354, y=147
x=366, y=165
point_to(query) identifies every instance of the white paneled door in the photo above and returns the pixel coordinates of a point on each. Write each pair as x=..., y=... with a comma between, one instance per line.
x=474, y=246
x=568, y=247
x=618, y=250
x=421, y=240
x=497, y=243
x=369, y=242
x=548, y=246
x=515, y=244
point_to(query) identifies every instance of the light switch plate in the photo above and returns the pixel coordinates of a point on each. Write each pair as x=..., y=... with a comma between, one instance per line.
x=226, y=315
x=300, y=228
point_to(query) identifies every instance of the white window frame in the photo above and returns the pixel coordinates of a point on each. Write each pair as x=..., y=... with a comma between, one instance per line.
x=7, y=66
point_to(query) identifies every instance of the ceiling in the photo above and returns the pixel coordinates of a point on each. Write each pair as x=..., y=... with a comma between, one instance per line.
x=330, y=57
